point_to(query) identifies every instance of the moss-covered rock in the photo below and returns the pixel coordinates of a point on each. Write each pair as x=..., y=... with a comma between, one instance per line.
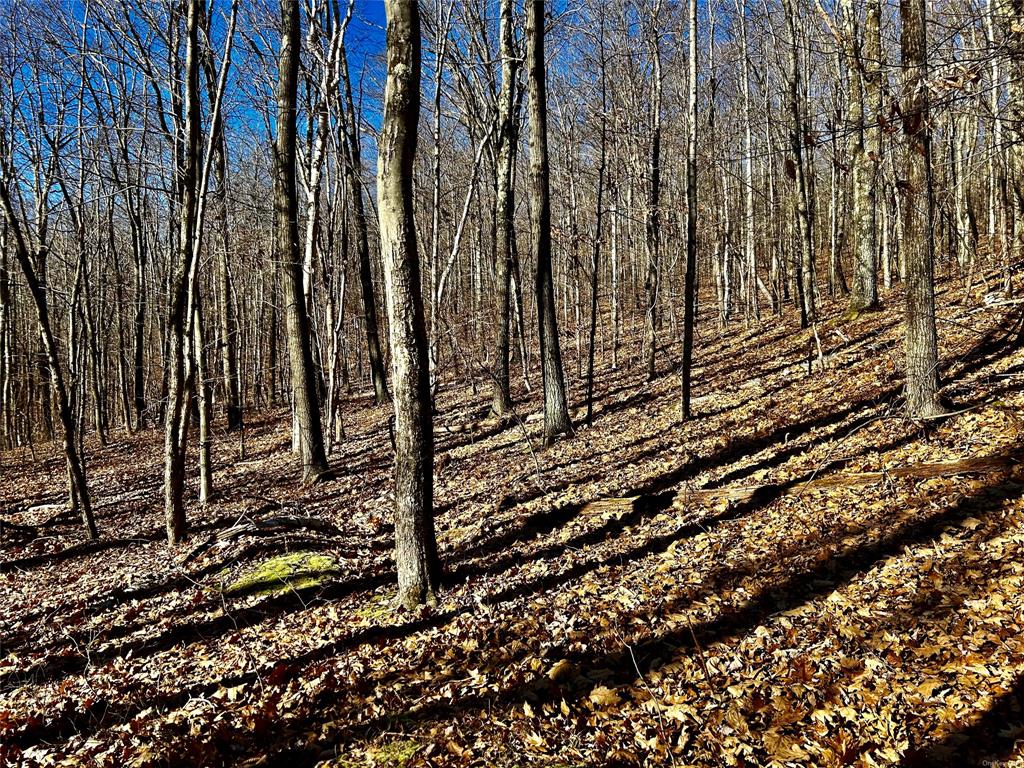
x=296, y=570
x=396, y=754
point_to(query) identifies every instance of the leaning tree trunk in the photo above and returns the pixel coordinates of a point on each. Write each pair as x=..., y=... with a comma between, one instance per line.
x=415, y=543
x=300, y=348
x=556, y=411
x=78, y=490
x=918, y=211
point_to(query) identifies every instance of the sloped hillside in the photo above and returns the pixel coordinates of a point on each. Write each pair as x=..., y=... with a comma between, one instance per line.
x=797, y=576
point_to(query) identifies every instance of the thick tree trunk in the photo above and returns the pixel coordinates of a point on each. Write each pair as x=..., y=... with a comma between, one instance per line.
x=556, y=410
x=918, y=212
x=415, y=543
x=300, y=348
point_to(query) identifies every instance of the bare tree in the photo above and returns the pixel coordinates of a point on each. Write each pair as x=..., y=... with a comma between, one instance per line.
x=921, y=341
x=30, y=149
x=556, y=410
x=353, y=167
x=501, y=400
x=652, y=243
x=192, y=178
x=415, y=543
x=690, y=288
x=305, y=401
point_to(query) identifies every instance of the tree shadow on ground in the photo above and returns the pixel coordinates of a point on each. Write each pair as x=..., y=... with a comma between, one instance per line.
x=842, y=568
x=624, y=665
x=988, y=741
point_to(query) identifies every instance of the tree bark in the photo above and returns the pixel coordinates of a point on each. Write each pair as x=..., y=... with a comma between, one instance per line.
x=501, y=400
x=690, y=286
x=300, y=347
x=416, y=555
x=918, y=212
x=805, y=262
x=353, y=168
x=176, y=415
x=556, y=411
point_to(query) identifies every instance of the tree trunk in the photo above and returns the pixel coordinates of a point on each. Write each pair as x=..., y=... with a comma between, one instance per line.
x=300, y=348
x=864, y=81
x=501, y=401
x=690, y=286
x=556, y=411
x=653, y=233
x=918, y=211
x=805, y=261
x=78, y=490
x=750, y=266
x=599, y=216
x=1012, y=19
x=176, y=415
x=203, y=390
x=225, y=292
x=415, y=543
x=353, y=167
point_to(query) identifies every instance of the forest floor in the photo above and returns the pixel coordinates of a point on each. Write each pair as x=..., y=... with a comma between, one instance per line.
x=797, y=576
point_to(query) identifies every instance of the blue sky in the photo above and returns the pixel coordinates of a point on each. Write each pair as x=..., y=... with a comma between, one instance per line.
x=366, y=32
